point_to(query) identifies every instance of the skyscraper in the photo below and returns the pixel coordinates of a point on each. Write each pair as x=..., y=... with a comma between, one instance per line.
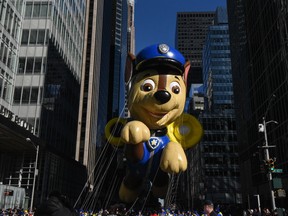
x=103, y=92
x=259, y=63
x=215, y=165
x=48, y=78
x=219, y=146
x=42, y=94
x=10, y=31
x=191, y=30
x=90, y=106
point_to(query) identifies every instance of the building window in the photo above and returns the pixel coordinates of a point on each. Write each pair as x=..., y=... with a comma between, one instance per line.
x=25, y=95
x=17, y=95
x=44, y=9
x=25, y=37
x=37, y=65
x=36, y=37
x=36, y=10
x=41, y=37
x=28, y=10
x=34, y=95
x=29, y=65
x=7, y=90
x=21, y=65
x=33, y=36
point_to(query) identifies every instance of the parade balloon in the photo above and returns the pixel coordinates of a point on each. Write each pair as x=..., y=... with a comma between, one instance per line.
x=158, y=132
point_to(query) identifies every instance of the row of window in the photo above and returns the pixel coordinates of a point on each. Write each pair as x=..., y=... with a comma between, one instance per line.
x=221, y=124
x=70, y=33
x=221, y=98
x=9, y=19
x=221, y=80
x=221, y=173
x=196, y=15
x=219, y=32
x=220, y=47
x=221, y=160
x=220, y=137
x=38, y=10
x=34, y=37
x=230, y=148
x=78, y=12
x=219, y=40
x=223, y=88
x=31, y=65
x=26, y=95
x=8, y=53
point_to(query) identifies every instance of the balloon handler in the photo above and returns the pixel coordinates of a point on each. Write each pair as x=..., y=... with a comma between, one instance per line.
x=158, y=132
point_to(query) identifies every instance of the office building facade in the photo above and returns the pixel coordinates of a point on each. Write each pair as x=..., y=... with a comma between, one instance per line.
x=259, y=62
x=214, y=171
x=191, y=30
x=10, y=31
x=47, y=83
x=89, y=108
x=219, y=146
x=44, y=92
x=105, y=88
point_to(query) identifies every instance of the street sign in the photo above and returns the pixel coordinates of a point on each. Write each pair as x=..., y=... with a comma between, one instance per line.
x=277, y=171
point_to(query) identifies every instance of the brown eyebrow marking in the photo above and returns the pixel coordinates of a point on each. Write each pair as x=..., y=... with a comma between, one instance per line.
x=162, y=82
x=177, y=77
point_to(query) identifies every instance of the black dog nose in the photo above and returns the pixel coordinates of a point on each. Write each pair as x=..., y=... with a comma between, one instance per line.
x=162, y=96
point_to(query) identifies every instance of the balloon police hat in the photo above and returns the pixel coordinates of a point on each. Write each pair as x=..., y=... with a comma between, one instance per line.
x=159, y=55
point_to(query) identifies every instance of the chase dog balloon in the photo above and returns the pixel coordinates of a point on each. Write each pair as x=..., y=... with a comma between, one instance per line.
x=158, y=132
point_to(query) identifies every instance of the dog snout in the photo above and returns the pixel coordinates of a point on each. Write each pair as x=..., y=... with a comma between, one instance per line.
x=162, y=96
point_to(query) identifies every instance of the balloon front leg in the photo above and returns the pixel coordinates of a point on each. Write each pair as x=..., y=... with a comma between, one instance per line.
x=173, y=159
x=135, y=132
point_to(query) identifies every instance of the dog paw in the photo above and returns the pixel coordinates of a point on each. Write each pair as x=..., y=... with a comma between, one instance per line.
x=135, y=132
x=173, y=159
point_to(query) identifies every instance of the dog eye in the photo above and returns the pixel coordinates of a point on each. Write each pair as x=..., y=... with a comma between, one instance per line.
x=148, y=85
x=175, y=87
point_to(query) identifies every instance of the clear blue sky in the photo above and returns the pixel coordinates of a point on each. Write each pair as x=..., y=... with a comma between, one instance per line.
x=155, y=20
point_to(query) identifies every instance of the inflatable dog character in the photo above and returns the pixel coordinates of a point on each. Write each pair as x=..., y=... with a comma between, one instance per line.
x=157, y=132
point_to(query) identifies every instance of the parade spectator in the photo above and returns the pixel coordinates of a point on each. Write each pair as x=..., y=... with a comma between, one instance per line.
x=208, y=209
x=56, y=205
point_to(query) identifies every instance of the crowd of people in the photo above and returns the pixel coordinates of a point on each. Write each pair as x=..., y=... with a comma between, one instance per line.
x=265, y=212
x=56, y=207
x=208, y=210
x=15, y=212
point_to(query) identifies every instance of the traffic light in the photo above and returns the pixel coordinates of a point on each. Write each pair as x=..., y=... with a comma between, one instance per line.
x=270, y=163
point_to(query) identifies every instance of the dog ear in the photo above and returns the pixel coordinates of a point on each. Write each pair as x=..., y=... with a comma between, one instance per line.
x=129, y=67
x=186, y=71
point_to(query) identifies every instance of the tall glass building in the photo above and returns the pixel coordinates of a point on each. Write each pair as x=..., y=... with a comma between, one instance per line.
x=216, y=157
x=191, y=30
x=91, y=105
x=49, y=71
x=217, y=75
x=259, y=63
x=41, y=58
x=103, y=94
x=10, y=31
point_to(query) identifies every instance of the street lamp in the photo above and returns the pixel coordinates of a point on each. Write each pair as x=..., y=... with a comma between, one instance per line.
x=35, y=172
x=262, y=128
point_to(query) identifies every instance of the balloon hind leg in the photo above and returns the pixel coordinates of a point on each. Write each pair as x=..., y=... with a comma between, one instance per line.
x=160, y=184
x=130, y=188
